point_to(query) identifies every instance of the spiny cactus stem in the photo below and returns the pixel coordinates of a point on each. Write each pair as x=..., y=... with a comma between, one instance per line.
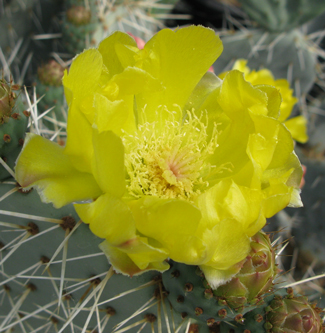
x=145, y=285
x=29, y=315
x=18, y=304
x=95, y=283
x=77, y=309
x=37, y=265
x=63, y=245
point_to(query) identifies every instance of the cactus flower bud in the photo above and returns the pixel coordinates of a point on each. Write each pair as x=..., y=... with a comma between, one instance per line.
x=51, y=73
x=254, y=279
x=78, y=15
x=293, y=314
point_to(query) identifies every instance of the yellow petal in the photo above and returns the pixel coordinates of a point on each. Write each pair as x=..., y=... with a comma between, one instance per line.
x=108, y=162
x=108, y=217
x=115, y=56
x=288, y=101
x=79, y=142
x=229, y=244
x=240, y=65
x=278, y=197
x=295, y=200
x=173, y=223
x=43, y=164
x=229, y=200
x=203, y=100
x=260, y=150
x=114, y=115
x=298, y=128
x=178, y=59
x=83, y=75
x=238, y=95
x=273, y=100
x=218, y=277
x=143, y=254
x=134, y=80
x=80, y=84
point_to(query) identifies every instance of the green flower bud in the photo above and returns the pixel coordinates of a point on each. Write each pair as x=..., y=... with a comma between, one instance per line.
x=255, y=277
x=293, y=314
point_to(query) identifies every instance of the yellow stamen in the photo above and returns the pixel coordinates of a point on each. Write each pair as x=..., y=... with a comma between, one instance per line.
x=169, y=161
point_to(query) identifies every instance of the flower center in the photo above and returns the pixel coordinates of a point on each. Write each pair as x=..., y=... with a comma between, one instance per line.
x=169, y=160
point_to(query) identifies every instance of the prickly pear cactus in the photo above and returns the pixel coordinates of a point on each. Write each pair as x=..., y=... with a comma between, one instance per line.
x=54, y=278
x=13, y=125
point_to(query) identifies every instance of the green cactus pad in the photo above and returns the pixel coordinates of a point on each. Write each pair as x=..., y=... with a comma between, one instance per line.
x=283, y=15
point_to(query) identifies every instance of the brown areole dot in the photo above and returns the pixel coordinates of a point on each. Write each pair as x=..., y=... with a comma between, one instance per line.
x=150, y=318
x=96, y=281
x=194, y=328
x=198, y=311
x=68, y=222
x=258, y=318
x=32, y=228
x=110, y=311
x=208, y=293
x=15, y=116
x=66, y=297
x=175, y=273
x=6, y=138
x=45, y=260
x=239, y=318
x=184, y=315
x=180, y=299
x=188, y=287
x=222, y=313
x=31, y=286
x=210, y=322
x=6, y=288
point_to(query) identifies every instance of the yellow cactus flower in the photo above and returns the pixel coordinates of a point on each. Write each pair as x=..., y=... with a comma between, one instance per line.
x=296, y=125
x=163, y=159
